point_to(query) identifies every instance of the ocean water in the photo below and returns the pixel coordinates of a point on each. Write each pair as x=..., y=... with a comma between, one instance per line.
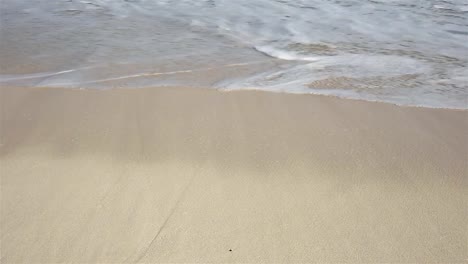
x=397, y=51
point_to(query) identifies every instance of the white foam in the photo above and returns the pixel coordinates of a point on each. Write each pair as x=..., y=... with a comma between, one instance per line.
x=312, y=40
x=17, y=77
x=56, y=79
x=282, y=54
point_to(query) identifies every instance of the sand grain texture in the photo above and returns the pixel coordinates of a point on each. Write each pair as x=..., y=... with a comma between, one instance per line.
x=195, y=175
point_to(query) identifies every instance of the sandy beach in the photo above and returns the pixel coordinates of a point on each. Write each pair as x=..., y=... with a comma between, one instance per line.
x=159, y=175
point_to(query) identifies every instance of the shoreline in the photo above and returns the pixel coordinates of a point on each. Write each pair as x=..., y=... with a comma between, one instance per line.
x=222, y=90
x=319, y=95
x=198, y=175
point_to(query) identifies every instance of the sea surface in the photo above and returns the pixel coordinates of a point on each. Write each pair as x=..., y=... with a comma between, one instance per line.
x=406, y=52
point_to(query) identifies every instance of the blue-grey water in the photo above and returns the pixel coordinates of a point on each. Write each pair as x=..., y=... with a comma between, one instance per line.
x=398, y=51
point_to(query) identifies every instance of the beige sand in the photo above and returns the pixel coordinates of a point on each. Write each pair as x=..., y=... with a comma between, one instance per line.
x=194, y=175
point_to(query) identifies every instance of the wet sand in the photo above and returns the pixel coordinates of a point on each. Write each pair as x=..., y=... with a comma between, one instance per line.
x=196, y=175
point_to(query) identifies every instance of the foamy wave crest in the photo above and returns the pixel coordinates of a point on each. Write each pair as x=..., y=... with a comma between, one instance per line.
x=283, y=54
x=326, y=47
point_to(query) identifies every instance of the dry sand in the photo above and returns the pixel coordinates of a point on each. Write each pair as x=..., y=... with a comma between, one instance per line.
x=195, y=175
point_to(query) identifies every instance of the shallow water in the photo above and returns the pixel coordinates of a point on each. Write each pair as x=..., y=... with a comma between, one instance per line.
x=403, y=52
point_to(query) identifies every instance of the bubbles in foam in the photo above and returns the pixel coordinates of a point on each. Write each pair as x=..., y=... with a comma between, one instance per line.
x=370, y=46
x=282, y=54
